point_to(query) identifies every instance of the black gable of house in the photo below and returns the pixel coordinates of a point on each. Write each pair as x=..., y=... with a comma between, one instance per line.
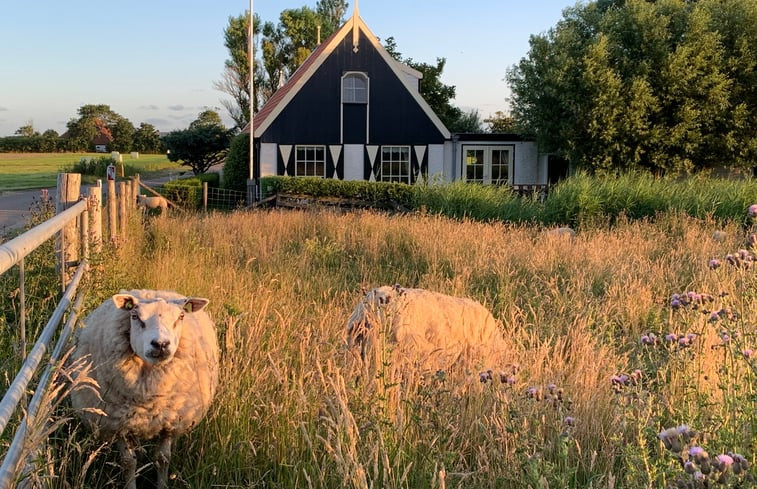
x=313, y=115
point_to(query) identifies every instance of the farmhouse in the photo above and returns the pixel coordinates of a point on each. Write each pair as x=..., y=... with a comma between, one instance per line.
x=353, y=112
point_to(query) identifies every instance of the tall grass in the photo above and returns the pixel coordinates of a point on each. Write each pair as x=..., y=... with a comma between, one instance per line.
x=581, y=200
x=297, y=409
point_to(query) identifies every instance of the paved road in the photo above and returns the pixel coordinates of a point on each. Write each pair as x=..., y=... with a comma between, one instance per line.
x=15, y=208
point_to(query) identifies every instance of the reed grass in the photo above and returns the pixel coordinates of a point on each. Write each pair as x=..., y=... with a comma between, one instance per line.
x=296, y=408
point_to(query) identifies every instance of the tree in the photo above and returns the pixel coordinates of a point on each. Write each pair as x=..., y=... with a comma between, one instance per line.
x=501, y=123
x=94, y=119
x=147, y=139
x=236, y=75
x=331, y=13
x=668, y=86
x=207, y=117
x=27, y=130
x=204, y=144
x=286, y=45
x=123, y=135
x=236, y=169
x=467, y=122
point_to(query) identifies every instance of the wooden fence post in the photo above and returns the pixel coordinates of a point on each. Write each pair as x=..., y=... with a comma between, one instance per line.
x=135, y=191
x=122, y=209
x=112, y=223
x=84, y=235
x=127, y=196
x=96, y=216
x=205, y=196
x=68, y=194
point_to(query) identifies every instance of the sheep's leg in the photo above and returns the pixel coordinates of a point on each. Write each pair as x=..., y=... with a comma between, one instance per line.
x=128, y=464
x=162, y=459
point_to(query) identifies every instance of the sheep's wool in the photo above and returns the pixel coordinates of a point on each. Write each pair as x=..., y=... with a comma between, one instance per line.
x=438, y=330
x=140, y=400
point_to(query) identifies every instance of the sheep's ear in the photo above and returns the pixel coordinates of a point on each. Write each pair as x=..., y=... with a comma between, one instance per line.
x=195, y=304
x=125, y=301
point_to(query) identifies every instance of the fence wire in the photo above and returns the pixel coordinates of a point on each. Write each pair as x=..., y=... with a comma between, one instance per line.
x=192, y=197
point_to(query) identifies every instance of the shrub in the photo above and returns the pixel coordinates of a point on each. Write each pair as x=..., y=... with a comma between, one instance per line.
x=97, y=167
x=187, y=192
x=236, y=170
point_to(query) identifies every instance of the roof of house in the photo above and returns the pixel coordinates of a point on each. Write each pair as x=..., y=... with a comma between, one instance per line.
x=279, y=100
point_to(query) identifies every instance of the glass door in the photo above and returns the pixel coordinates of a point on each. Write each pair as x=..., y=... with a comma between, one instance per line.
x=488, y=164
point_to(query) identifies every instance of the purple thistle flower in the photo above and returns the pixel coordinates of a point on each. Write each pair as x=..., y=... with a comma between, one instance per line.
x=747, y=353
x=570, y=421
x=714, y=263
x=714, y=317
x=671, y=337
x=724, y=462
x=752, y=210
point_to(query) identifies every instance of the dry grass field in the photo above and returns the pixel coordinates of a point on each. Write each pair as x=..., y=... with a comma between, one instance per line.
x=579, y=401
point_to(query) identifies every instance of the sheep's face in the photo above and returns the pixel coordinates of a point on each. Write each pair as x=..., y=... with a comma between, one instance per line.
x=369, y=311
x=156, y=325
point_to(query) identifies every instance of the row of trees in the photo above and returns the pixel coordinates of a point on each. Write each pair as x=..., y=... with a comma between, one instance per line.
x=92, y=121
x=666, y=85
x=280, y=48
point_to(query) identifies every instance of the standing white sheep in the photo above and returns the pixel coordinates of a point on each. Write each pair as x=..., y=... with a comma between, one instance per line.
x=436, y=331
x=146, y=203
x=155, y=358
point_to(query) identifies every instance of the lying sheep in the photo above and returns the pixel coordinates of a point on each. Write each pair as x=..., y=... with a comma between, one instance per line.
x=436, y=331
x=146, y=203
x=155, y=358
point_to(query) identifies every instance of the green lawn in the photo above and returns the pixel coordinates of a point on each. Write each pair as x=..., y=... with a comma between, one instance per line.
x=21, y=171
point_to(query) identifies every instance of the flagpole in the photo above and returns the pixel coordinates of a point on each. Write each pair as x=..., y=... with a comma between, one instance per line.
x=251, y=182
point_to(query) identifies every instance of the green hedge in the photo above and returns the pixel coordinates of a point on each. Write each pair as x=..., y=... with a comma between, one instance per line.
x=187, y=192
x=377, y=194
x=576, y=201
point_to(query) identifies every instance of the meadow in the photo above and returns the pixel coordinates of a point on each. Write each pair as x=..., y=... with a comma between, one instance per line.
x=22, y=171
x=630, y=346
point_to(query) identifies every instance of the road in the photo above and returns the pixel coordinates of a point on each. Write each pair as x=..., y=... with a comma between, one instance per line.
x=15, y=208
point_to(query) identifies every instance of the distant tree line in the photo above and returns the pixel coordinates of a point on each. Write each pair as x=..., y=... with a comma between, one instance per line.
x=95, y=123
x=668, y=86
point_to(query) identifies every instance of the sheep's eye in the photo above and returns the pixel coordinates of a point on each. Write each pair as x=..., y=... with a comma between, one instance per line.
x=135, y=318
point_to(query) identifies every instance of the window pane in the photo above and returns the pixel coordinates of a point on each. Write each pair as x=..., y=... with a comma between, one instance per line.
x=355, y=89
x=310, y=161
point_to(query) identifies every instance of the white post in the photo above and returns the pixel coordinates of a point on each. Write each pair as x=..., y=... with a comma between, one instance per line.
x=251, y=55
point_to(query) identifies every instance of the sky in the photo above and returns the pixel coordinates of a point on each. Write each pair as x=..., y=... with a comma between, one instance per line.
x=155, y=61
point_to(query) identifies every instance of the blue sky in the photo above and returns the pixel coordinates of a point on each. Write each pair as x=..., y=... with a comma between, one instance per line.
x=156, y=61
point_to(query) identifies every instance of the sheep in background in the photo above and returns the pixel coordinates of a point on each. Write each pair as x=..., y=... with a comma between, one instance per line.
x=146, y=203
x=154, y=355
x=563, y=232
x=434, y=330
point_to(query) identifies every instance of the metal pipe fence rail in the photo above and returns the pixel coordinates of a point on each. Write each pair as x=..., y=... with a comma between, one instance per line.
x=77, y=223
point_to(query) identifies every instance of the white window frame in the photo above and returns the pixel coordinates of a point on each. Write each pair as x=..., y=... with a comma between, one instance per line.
x=309, y=161
x=350, y=93
x=392, y=175
x=488, y=151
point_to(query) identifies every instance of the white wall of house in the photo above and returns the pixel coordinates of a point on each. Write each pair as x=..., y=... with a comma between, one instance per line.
x=354, y=159
x=526, y=164
x=268, y=159
x=436, y=162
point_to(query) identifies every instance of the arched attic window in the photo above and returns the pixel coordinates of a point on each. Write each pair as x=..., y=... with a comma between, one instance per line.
x=354, y=88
